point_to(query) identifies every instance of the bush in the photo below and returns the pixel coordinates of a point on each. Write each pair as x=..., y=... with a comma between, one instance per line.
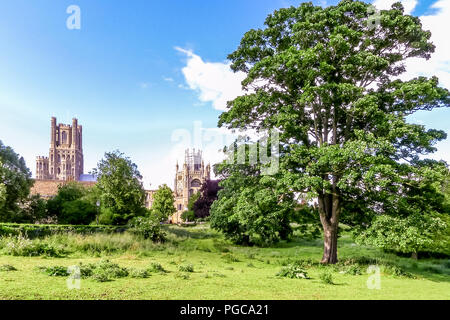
x=326, y=277
x=293, y=271
x=412, y=234
x=55, y=271
x=148, y=228
x=228, y=257
x=139, y=273
x=32, y=231
x=112, y=270
x=22, y=246
x=72, y=205
x=186, y=268
x=7, y=267
x=156, y=267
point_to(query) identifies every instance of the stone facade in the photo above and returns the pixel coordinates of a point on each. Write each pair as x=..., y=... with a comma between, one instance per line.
x=65, y=161
x=188, y=181
x=49, y=188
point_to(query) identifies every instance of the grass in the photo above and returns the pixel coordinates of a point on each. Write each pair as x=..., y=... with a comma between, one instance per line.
x=198, y=263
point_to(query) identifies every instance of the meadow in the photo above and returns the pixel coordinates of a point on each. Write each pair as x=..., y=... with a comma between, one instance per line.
x=197, y=263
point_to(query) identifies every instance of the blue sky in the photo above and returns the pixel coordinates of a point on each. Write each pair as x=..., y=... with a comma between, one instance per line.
x=137, y=73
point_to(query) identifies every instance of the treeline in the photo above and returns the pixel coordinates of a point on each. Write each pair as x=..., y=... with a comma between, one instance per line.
x=117, y=198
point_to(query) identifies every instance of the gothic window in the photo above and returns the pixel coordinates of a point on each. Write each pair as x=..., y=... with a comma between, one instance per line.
x=64, y=137
x=59, y=171
x=195, y=183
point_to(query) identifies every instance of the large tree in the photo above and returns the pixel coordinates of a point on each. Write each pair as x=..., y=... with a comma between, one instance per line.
x=251, y=207
x=15, y=183
x=208, y=194
x=163, y=203
x=120, y=188
x=326, y=79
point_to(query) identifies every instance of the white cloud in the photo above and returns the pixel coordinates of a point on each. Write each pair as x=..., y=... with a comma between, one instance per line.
x=439, y=24
x=215, y=82
x=439, y=63
x=168, y=79
x=144, y=85
x=409, y=5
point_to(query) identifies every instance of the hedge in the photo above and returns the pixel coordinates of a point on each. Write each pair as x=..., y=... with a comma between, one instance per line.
x=42, y=230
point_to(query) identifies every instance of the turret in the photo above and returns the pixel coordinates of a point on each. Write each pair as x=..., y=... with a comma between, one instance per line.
x=53, y=133
x=74, y=134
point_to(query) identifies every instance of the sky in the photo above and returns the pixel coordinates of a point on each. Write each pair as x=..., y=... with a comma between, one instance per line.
x=149, y=78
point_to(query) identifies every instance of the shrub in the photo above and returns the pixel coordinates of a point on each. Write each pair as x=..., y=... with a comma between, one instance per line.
x=181, y=275
x=156, y=267
x=353, y=270
x=139, y=273
x=110, y=269
x=22, y=246
x=148, y=228
x=228, y=257
x=7, y=267
x=55, y=271
x=326, y=277
x=32, y=231
x=293, y=271
x=186, y=268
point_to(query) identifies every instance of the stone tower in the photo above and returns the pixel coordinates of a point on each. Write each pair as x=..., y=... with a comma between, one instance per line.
x=65, y=161
x=188, y=181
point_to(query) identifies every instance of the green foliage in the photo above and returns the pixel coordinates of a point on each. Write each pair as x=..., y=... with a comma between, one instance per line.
x=189, y=214
x=326, y=277
x=41, y=230
x=293, y=271
x=120, y=189
x=34, y=209
x=163, y=203
x=22, y=246
x=139, y=273
x=229, y=258
x=15, y=183
x=72, y=205
x=186, y=268
x=327, y=81
x=251, y=208
x=157, y=268
x=413, y=234
x=55, y=271
x=148, y=228
x=7, y=267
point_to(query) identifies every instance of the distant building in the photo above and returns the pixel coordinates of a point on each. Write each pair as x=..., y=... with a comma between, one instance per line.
x=65, y=160
x=188, y=181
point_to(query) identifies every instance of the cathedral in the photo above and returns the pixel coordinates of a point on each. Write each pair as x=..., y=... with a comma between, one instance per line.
x=65, y=161
x=188, y=181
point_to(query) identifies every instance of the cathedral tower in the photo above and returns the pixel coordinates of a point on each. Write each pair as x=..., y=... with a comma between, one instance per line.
x=188, y=181
x=65, y=161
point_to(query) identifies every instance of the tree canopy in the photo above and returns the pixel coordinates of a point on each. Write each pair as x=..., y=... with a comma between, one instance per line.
x=15, y=183
x=163, y=203
x=120, y=188
x=327, y=80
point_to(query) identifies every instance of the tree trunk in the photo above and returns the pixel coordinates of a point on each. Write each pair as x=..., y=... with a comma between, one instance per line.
x=329, y=244
x=329, y=209
x=414, y=255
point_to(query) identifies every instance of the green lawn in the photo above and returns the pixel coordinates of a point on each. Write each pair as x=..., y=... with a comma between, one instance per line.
x=217, y=274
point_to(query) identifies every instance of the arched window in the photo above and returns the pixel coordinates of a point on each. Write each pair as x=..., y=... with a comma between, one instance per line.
x=196, y=183
x=64, y=137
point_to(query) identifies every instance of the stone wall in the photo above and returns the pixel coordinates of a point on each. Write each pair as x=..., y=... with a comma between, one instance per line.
x=49, y=188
